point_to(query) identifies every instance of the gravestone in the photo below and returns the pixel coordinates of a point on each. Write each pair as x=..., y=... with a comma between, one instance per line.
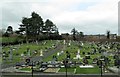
x=64, y=42
x=85, y=61
x=58, y=54
x=68, y=55
x=87, y=56
x=22, y=56
x=28, y=52
x=69, y=44
x=62, y=52
x=82, y=44
x=41, y=53
x=78, y=55
x=4, y=55
x=83, y=53
x=54, y=58
x=94, y=60
x=36, y=42
x=27, y=61
x=11, y=54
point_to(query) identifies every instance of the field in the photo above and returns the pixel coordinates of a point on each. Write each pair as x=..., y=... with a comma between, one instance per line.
x=8, y=39
x=22, y=51
x=18, y=50
x=79, y=70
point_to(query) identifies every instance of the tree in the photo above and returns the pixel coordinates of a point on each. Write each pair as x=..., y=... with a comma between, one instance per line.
x=50, y=28
x=108, y=34
x=32, y=26
x=81, y=34
x=9, y=31
x=74, y=33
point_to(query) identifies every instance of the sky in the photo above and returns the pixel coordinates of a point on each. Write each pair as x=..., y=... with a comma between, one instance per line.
x=88, y=16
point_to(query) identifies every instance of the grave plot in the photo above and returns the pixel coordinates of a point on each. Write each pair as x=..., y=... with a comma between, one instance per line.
x=87, y=55
x=17, y=53
x=82, y=57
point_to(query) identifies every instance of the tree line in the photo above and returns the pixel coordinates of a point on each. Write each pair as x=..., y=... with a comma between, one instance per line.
x=34, y=28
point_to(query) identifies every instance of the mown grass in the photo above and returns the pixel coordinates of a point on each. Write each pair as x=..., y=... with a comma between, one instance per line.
x=95, y=70
x=22, y=49
x=70, y=70
x=8, y=39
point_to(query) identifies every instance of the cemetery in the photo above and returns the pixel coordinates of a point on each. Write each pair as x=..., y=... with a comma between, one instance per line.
x=59, y=56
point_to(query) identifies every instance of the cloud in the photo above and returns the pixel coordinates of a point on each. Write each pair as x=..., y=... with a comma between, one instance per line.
x=91, y=17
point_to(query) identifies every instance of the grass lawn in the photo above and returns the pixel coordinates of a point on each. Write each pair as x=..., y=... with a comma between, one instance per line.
x=26, y=69
x=22, y=49
x=8, y=39
x=94, y=70
x=79, y=70
x=47, y=44
x=68, y=70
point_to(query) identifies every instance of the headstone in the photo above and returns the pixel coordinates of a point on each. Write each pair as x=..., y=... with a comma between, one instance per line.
x=82, y=44
x=41, y=53
x=87, y=56
x=64, y=42
x=69, y=44
x=85, y=61
x=11, y=54
x=22, y=55
x=62, y=51
x=36, y=42
x=4, y=55
x=28, y=51
x=27, y=61
x=78, y=55
x=94, y=60
x=68, y=55
x=58, y=54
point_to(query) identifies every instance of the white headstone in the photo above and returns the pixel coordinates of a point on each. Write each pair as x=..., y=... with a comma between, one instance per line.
x=36, y=42
x=64, y=41
x=58, y=54
x=22, y=55
x=28, y=52
x=78, y=55
x=82, y=44
x=69, y=44
x=41, y=53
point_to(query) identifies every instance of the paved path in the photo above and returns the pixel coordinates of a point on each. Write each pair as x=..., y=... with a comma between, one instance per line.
x=55, y=75
x=115, y=70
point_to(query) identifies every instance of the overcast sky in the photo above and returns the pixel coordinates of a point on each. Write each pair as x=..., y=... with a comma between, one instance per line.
x=88, y=16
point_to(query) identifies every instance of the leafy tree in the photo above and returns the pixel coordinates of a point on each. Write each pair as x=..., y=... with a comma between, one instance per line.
x=81, y=34
x=32, y=26
x=50, y=28
x=108, y=34
x=74, y=33
x=35, y=28
x=9, y=31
